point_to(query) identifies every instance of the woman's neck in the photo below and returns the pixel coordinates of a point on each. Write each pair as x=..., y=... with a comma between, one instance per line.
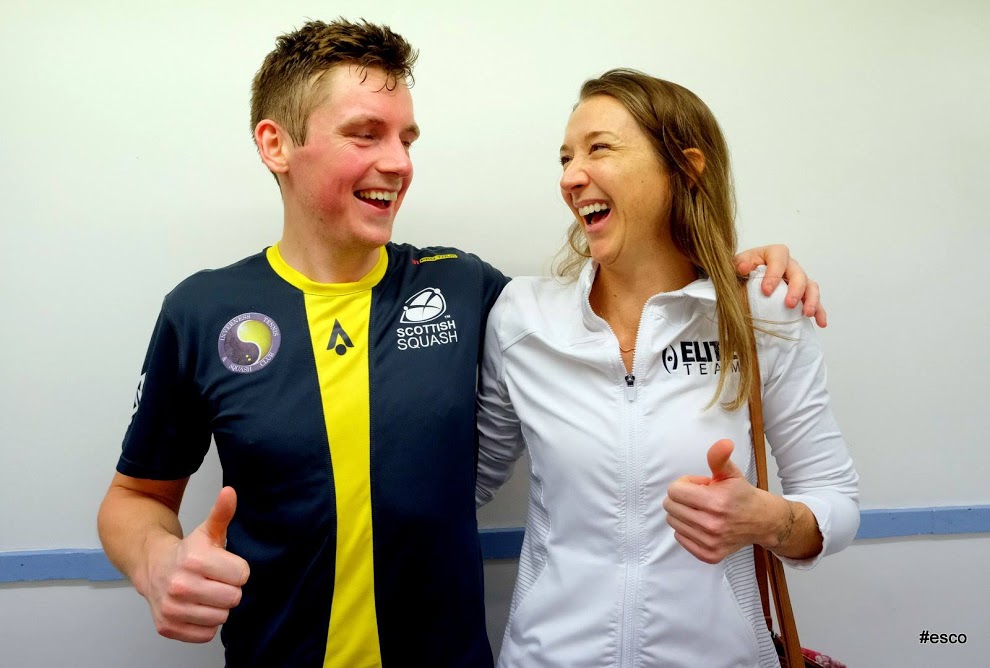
x=624, y=287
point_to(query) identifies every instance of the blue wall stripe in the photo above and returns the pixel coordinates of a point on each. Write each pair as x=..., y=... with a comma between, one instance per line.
x=923, y=521
x=92, y=564
x=56, y=565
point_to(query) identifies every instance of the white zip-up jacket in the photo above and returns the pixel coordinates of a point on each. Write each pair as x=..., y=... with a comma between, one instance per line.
x=602, y=581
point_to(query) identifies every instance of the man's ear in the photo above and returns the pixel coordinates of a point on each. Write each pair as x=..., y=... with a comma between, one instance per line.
x=697, y=160
x=274, y=145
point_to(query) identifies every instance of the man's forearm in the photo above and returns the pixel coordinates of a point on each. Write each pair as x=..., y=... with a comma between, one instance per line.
x=131, y=524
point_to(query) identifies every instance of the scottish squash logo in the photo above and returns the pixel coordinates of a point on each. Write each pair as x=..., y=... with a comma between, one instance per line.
x=426, y=305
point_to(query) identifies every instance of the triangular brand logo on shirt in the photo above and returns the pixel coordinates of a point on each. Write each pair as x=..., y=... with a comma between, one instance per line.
x=339, y=333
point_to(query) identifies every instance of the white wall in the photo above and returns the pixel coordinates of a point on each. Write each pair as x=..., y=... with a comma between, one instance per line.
x=859, y=136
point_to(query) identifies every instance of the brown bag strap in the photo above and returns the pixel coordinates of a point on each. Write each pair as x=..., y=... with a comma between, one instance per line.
x=765, y=562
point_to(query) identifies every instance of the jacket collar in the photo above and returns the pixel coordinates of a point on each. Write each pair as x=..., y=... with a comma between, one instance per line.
x=701, y=289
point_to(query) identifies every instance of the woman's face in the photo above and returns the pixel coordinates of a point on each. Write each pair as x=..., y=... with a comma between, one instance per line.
x=613, y=182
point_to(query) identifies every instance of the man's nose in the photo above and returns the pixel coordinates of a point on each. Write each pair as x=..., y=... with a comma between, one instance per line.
x=395, y=159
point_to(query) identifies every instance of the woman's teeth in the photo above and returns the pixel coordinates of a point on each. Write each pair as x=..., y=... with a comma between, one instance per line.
x=592, y=208
x=592, y=213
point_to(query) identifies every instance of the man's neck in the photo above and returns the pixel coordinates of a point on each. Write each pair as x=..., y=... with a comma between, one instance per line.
x=323, y=263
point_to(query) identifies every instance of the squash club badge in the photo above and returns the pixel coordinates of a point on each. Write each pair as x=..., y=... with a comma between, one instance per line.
x=248, y=342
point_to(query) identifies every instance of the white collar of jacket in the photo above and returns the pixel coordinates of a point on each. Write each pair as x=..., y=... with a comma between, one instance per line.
x=701, y=289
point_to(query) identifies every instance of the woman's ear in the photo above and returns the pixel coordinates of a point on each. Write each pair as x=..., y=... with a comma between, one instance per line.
x=697, y=160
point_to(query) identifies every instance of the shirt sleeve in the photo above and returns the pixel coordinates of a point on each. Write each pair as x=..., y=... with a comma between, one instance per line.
x=813, y=461
x=169, y=433
x=500, y=439
x=493, y=282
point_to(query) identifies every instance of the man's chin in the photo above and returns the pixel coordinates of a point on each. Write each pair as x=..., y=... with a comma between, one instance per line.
x=377, y=235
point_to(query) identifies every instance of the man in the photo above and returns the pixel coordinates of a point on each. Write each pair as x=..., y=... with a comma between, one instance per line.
x=336, y=373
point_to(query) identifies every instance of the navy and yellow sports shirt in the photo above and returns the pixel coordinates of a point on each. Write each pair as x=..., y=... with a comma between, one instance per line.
x=343, y=415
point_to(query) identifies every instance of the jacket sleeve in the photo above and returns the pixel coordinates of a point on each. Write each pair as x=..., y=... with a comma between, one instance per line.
x=813, y=461
x=500, y=440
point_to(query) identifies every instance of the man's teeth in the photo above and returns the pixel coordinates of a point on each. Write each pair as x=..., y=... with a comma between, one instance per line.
x=379, y=194
x=592, y=208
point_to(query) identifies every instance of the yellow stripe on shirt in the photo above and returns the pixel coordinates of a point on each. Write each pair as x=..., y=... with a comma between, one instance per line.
x=338, y=316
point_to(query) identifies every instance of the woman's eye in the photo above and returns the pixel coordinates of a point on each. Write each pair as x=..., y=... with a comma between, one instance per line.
x=596, y=147
x=564, y=159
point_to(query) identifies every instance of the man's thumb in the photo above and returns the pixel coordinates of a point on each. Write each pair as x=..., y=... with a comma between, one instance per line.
x=719, y=462
x=220, y=516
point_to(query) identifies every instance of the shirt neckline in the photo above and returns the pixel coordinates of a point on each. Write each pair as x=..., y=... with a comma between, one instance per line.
x=311, y=287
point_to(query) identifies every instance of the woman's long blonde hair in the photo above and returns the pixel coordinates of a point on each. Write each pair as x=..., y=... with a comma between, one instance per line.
x=702, y=214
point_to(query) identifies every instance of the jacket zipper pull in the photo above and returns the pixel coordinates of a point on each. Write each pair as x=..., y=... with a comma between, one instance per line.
x=630, y=387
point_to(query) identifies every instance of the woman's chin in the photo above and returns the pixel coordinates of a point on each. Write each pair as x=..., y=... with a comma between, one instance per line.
x=602, y=254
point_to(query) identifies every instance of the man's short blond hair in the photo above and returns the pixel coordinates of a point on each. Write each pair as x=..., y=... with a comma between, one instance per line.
x=287, y=87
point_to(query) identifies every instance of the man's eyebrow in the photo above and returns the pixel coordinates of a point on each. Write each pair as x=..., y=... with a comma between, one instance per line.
x=369, y=119
x=589, y=137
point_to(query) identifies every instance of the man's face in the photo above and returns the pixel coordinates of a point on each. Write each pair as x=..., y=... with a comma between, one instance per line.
x=351, y=175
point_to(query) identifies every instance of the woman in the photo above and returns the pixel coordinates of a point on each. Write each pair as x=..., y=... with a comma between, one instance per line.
x=629, y=384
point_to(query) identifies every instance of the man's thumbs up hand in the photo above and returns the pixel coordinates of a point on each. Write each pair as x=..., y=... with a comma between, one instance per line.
x=195, y=581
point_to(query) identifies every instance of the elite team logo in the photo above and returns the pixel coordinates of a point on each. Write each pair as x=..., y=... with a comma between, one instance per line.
x=420, y=311
x=338, y=334
x=426, y=305
x=700, y=358
x=248, y=342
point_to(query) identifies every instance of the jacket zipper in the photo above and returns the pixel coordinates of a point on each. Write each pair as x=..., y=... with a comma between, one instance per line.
x=631, y=523
x=630, y=387
x=628, y=650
